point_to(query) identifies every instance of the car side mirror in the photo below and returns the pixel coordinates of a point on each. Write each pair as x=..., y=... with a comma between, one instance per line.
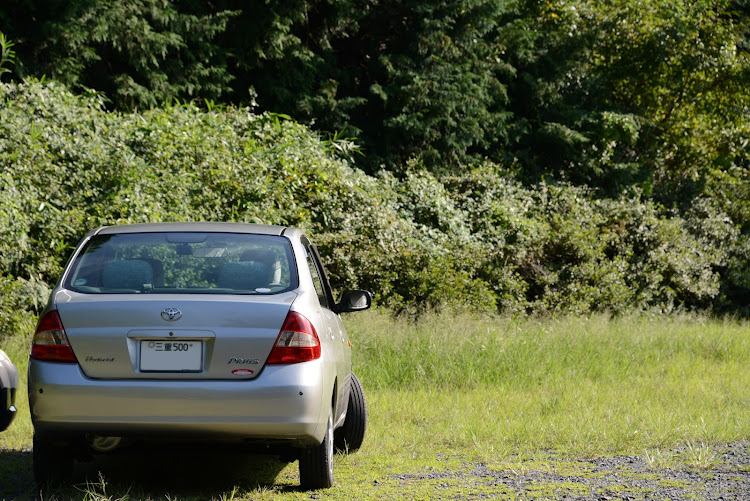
x=355, y=300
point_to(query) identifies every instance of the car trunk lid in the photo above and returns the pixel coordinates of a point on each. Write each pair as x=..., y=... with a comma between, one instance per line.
x=126, y=336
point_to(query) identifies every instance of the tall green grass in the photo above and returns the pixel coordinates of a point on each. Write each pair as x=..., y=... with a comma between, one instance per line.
x=582, y=385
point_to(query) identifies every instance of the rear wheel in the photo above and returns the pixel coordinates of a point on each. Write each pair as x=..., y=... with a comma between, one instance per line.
x=52, y=463
x=350, y=436
x=316, y=462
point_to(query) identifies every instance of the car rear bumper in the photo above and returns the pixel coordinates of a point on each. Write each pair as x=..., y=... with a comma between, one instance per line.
x=284, y=403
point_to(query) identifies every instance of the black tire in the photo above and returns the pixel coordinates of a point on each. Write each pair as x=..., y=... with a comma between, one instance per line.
x=53, y=464
x=350, y=436
x=316, y=462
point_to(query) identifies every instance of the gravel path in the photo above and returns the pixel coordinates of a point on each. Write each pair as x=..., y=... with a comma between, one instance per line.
x=691, y=472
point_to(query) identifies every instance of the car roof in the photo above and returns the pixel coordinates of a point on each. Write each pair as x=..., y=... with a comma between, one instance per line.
x=263, y=229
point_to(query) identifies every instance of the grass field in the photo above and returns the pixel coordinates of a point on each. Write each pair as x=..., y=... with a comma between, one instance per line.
x=449, y=393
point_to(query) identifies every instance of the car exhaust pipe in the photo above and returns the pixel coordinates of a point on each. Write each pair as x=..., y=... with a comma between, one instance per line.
x=104, y=444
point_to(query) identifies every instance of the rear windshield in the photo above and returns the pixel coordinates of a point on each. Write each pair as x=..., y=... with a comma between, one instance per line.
x=183, y=263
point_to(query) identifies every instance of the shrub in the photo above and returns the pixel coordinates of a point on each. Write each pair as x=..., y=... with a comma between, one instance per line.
x=476, y=240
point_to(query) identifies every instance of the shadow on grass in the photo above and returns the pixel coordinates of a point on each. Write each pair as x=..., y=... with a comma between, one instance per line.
x=16, y=479
x=147, y=473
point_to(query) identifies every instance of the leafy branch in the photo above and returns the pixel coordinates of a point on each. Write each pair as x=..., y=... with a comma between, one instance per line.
x=7, y=55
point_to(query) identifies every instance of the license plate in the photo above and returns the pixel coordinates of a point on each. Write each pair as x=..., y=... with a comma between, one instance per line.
x=171, y=356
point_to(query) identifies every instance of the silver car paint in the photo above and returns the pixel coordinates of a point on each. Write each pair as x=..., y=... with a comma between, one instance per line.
x=105, y=330
x=332, y=335
x=288, y=402
x=8, y=384
x=8, y=372
x=283, y=404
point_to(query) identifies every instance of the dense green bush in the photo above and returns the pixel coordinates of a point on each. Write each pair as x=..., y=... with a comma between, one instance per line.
x=477, y=240
x=20, y=301
x=557, y=248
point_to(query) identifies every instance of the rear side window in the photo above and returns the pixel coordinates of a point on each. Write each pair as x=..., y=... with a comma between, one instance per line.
x=317, y=282
x=183, y=263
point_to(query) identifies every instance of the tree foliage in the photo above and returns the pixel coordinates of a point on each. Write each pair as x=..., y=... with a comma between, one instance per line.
x=623, y=93
x=140, y=53
x=407, y=77
x=608, y=94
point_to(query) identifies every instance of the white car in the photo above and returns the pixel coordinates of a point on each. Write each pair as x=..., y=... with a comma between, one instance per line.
x=218, y=332
x=8, y=387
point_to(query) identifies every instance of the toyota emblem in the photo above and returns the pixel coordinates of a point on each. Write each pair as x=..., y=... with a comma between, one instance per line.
x=171, y=314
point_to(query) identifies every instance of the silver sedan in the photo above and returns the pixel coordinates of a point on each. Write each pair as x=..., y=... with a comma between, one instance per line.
x=8, y=387
x=214, y=332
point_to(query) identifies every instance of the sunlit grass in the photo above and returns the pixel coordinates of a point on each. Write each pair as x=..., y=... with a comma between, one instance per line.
x=578, y=385
x=447, y=391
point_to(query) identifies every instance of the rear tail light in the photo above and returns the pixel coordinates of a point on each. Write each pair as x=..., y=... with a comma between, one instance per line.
x=50, y=341
x=297, y=341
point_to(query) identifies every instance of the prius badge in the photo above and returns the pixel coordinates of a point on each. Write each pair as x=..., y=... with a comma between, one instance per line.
x=171, y=314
